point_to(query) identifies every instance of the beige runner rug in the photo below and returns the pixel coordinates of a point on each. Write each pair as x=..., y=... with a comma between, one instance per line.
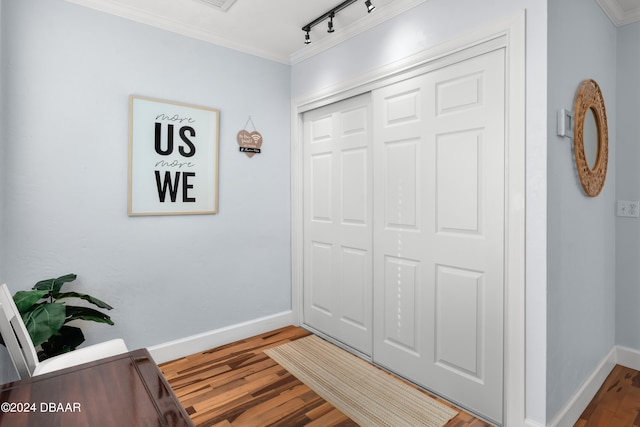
x=366, y=394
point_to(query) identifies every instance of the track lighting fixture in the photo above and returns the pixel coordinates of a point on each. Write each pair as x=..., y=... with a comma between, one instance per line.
x=330, y=15
x=370, y=7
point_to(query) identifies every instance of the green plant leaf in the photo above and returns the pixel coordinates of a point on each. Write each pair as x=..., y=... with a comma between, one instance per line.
x=86, y=313
x=64, y=341
x=53, y=285
x=85, y=297
x=25, y=299
x=44, y=321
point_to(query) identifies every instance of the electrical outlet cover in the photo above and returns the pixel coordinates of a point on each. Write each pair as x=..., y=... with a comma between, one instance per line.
x=628, y=208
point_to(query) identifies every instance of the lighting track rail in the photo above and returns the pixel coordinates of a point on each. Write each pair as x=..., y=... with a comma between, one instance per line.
x=330, y=15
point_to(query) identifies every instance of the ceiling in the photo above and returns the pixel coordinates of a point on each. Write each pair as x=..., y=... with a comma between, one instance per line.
x=270, y=29
x=621, y=12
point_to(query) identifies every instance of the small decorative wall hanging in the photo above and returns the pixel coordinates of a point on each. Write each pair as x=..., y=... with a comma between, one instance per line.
x=249, y=142
x=173, y=158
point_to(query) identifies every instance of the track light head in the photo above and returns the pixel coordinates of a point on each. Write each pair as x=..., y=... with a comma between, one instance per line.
x=307, y=38
x=331, y=30
x=370, y=7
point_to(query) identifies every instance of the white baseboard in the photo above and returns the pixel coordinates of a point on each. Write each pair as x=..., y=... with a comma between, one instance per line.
x=570, y=413
x=577, y=404
x=196, y=343
x=628, y=357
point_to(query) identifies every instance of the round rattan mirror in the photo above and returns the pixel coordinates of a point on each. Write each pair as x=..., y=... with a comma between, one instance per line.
x=592, y=173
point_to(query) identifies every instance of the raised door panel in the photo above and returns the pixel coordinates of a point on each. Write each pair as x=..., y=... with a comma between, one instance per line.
x=439, y=253
x=337, y=289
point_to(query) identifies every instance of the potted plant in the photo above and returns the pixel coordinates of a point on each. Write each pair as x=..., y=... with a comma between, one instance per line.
x=46, y=315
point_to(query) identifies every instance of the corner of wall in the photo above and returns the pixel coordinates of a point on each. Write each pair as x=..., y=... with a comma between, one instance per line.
x=628, y=357
x=571, y=411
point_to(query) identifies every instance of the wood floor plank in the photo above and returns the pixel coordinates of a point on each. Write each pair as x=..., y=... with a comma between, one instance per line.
x=238, y=385
x=627, y=411
x=617, y=402
x=330, y=417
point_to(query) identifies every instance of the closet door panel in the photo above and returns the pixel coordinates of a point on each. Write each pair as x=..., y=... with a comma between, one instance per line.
x=338, y=278
x=439, y=149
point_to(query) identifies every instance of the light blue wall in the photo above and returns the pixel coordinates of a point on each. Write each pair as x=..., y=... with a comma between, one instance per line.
x=628, y=187
x=69, y=73
x=7, y=372
x=2, y=137
x=427, y=25
x=581, y=230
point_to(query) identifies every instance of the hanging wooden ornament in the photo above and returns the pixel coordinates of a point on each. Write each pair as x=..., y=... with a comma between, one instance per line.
x=249, y=142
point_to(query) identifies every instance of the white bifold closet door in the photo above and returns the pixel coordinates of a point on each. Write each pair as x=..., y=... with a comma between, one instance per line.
x=404, y=228
x=338, y=234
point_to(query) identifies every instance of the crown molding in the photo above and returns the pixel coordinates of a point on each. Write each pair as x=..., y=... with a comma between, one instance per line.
x=619, y=15
x=155, y=20
x=147, y=17
x=361, y=25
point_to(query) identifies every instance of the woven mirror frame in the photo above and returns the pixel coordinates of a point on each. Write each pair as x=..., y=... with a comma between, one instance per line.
x=589, y=99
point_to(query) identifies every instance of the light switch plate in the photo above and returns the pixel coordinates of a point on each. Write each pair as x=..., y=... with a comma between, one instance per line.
x=565, y=123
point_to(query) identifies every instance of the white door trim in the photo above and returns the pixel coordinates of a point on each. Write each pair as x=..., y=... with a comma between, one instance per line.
x=509, y=34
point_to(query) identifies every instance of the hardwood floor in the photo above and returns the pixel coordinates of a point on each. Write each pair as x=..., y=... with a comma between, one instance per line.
x=238, y=385
x=617, y=403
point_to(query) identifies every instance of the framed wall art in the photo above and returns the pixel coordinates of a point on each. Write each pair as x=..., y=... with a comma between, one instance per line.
x=173, y=158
